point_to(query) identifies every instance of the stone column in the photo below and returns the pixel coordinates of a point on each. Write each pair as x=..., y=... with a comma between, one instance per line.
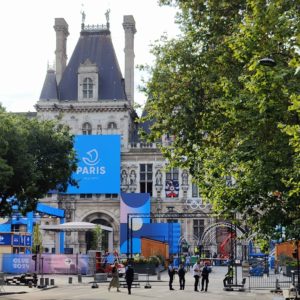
x=130, y=30
x=61, y=29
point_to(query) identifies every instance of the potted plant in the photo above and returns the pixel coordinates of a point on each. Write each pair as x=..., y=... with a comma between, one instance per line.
x=144, y=265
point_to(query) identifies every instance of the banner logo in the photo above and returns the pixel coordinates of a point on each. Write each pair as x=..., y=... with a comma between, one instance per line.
x=92, y=159
x=98, y=168
x=90, y=162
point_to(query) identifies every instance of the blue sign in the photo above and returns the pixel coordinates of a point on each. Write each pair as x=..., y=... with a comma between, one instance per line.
x=16, y=263
x=16, y=240
x=22, y=240
x=5, y=239
x=99, y=162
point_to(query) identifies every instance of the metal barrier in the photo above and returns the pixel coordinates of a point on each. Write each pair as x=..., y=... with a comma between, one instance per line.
x=2, y=281
x=100, y=277
x=273, y=281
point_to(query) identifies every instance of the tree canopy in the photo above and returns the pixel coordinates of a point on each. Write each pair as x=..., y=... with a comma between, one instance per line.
x=35, y=157
x=233, y=119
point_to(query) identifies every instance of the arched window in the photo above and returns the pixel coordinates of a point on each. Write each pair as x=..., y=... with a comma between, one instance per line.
x=86, y=128
x=111, y=125
x=87, y=88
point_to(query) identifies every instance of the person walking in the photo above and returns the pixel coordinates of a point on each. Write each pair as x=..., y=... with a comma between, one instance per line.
x=171, y=272
x=115, y=278
x=188, y=262
x=196, y=273
x=205, y=273
x=129, y=276
x=181, y=275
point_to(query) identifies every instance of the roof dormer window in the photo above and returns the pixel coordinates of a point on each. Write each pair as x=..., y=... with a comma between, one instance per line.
x=87, y=88
x=88, y=81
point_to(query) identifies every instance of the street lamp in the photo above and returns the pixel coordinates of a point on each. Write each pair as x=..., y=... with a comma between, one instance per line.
x=298, y=265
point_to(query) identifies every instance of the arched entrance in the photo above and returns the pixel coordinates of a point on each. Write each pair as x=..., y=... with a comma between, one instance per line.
x=224, y=238
x=109, y=241
x=105, y=237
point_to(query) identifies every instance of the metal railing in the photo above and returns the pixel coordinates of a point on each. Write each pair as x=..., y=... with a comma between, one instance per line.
x=273, y=281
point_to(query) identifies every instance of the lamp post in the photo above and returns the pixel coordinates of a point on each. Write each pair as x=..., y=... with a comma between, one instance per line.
x=298, y=265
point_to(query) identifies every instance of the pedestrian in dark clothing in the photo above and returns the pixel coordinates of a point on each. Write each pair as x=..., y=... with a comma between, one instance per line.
x=129, y=276
x=171, y=272
x=205, y=273
x=181, y=275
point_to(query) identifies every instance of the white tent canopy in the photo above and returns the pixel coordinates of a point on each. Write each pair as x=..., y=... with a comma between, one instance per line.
x=75, y=226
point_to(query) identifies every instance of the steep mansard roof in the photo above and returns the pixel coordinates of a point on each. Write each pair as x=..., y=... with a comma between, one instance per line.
x=49, y=90
x=96, y=46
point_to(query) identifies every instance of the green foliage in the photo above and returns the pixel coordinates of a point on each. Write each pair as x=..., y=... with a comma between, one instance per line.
x=228, y=114
x=35, y=157
x=97, y=238
x=156, y=260
x=37, y=240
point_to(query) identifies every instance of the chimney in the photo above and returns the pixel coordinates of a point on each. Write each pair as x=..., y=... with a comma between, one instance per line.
x=130, y=30
x=61, y=28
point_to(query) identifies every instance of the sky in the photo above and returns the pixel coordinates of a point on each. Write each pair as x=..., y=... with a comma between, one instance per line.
x=28, y=40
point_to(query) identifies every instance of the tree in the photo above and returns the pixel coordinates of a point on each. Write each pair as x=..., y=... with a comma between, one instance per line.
x=228, y=114
x=37, y=241
x=96, y=238
x=35, y=157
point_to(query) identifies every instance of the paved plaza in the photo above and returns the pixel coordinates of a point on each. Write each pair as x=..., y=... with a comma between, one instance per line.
x=63, y=290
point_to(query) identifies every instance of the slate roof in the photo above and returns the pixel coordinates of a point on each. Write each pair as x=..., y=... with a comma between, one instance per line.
x=49, y=90
x=96, y=46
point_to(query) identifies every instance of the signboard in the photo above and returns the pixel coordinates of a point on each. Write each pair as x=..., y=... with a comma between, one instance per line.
x=99, y=161
x=22, y=240
x=52, y=263
x=5, y=239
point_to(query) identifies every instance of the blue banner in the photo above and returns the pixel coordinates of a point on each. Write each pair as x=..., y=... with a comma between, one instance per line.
x=22, y=240
x=99, y=162
x=5, y=239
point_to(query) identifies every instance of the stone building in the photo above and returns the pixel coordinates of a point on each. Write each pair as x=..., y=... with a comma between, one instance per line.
x=90, y=95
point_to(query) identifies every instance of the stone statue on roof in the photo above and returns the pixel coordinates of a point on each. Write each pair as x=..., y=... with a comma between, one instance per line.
x=107, y=16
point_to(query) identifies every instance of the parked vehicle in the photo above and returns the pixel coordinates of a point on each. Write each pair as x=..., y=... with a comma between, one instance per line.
x=108, y=262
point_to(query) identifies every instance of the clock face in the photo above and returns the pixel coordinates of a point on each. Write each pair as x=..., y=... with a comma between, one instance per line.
x=3, y=220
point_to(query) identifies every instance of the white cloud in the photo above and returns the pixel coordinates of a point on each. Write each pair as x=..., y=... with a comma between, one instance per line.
x=28, y=39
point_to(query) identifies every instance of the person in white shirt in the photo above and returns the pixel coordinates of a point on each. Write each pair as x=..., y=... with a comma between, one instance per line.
x=196, y=273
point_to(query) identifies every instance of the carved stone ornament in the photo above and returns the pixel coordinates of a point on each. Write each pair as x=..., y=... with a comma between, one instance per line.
x=197, y=203
x=132, y=177
x=158, y=178
x=185, y=178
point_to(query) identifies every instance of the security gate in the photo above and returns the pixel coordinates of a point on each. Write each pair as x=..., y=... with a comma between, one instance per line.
x=273, y=281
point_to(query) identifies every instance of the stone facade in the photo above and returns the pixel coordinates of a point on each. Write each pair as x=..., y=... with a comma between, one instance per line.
x=114, y=116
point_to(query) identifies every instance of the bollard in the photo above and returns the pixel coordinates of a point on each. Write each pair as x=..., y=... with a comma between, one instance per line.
x=158, y=275
x=70, y=280
x=30, y=284
x=42, y=282
x=46, y=281
x=51, y=281
x=79, y=278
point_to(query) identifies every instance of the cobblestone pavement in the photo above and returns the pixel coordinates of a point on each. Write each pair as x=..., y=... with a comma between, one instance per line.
x=63, y=290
